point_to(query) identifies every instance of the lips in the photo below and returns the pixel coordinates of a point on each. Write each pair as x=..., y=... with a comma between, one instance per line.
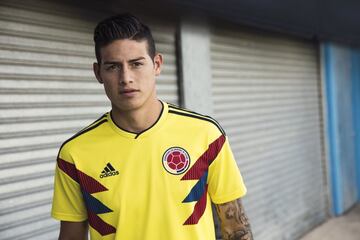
x=128, y=92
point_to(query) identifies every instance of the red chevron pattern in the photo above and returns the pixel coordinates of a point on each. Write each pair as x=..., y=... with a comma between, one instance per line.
x=99, y=225
x=203, y=162
x=199, y=209
x=198, y=170
x=89, y=185
x=68, y=168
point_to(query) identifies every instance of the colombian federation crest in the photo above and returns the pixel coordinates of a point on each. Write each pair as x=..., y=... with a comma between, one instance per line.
x=176, y=160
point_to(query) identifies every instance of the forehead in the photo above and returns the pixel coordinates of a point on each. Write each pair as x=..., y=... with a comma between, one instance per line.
x=124, y=49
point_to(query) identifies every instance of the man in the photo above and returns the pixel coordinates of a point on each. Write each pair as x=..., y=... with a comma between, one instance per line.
x=147, y=169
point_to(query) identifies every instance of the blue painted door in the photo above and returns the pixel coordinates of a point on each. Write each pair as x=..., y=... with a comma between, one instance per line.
x=346, y=128
x=356, y=111
x=341, y=127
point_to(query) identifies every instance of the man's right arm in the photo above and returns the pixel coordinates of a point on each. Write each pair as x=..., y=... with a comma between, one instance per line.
x=234, y=222
x=73, y=230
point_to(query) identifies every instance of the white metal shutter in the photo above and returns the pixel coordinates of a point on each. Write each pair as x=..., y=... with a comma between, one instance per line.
x=47, y=93
x=267, y=97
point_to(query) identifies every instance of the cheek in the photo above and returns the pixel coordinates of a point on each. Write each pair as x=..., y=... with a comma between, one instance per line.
x=146, y=78
x=150, y=83
x=108, y=93
x=110, y=88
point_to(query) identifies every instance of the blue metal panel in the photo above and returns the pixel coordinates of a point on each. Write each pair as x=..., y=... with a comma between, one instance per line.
x=332, y=122
x=346, y=124
x=340, y=107
x=356, y=111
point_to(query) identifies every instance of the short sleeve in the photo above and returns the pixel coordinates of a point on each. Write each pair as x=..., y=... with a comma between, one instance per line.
x=68, y=203
x=225, y=182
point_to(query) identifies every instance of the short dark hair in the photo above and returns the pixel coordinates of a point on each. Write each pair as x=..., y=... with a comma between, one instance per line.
x=122, y=26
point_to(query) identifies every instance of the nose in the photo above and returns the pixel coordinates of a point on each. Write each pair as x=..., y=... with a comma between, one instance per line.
x=126, y=76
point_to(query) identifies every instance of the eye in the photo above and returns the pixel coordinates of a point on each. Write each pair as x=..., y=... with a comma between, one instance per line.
x=113, y=67
x=136, y=64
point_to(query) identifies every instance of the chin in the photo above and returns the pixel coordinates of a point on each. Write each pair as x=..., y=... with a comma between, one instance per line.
x=128, y=106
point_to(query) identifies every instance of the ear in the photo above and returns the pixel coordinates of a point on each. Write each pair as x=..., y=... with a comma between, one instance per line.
x=96, y=68
x=158, y=61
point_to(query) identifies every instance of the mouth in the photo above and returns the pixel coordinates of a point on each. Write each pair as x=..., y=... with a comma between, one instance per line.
x=128, y=92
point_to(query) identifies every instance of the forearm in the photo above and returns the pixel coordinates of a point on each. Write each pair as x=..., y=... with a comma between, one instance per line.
x=73, y=231
x=234, y=222
x=241, y=234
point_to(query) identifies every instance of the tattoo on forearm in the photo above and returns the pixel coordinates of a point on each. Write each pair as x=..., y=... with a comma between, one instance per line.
x=234, y=222
x=240, y=235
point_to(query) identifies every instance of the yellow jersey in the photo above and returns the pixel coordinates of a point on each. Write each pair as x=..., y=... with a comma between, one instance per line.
x=154, y=185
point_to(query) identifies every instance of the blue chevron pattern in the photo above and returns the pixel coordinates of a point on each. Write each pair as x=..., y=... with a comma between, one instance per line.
x=198, y=190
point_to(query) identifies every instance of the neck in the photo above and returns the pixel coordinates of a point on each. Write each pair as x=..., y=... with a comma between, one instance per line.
x=137, y=120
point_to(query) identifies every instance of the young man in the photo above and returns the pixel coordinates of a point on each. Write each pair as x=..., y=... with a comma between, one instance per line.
x=146, y=169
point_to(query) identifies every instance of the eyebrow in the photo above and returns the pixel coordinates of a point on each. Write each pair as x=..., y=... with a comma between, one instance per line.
x=136, y=59
x=130, y=61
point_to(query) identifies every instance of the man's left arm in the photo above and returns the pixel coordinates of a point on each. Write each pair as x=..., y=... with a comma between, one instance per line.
x=233, y=220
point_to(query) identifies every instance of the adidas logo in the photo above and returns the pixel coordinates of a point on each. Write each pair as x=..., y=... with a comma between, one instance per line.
x=108, y=171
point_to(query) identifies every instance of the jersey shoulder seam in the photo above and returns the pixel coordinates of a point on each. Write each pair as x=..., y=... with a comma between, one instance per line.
x=88, y=128
x=188, y=113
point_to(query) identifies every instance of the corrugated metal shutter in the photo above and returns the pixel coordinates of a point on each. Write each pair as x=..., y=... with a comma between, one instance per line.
x=48, y=92
x=266, y=92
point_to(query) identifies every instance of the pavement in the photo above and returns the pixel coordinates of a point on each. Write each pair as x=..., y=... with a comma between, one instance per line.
x=345, y=227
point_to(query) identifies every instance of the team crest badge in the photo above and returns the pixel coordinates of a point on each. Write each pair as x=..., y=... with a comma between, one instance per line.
x=176, y=160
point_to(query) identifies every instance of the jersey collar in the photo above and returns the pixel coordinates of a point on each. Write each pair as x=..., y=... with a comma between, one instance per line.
x=147, y=132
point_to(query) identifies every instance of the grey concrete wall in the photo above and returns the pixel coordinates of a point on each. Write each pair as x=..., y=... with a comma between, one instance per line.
x=195, y=64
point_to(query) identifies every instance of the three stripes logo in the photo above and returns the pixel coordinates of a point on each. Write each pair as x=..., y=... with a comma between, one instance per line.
x=108, y=171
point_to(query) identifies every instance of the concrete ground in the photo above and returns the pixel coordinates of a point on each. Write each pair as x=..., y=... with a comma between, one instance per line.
x=346, y=227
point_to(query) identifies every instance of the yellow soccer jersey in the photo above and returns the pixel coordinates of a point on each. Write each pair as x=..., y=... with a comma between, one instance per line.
x=155, y=185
